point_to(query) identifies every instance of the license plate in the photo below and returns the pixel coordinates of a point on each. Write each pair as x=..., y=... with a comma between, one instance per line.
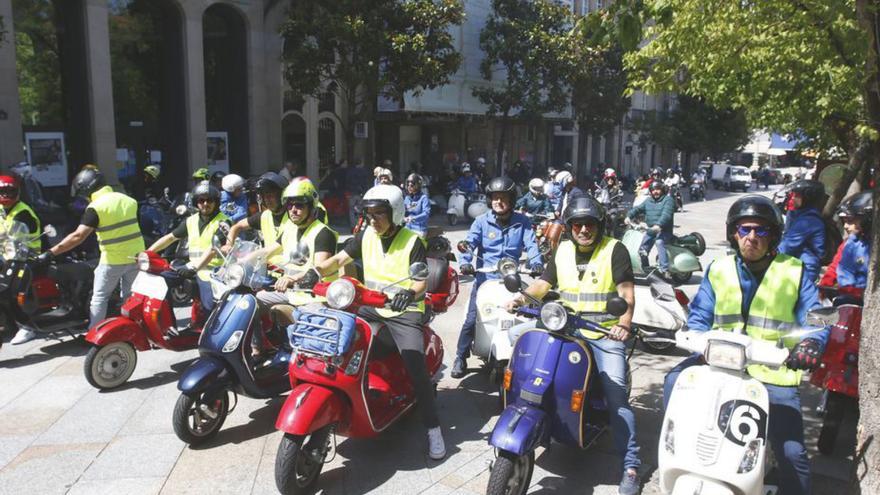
x=506, y=324
x=152, y=286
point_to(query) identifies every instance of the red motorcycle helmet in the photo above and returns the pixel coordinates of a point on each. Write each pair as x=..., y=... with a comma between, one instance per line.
x=9, y=191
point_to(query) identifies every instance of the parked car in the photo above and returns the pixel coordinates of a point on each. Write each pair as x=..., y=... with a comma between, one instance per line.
x=736, y=178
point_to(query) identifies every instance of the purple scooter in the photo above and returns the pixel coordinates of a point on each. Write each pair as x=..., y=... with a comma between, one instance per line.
x=551, y=392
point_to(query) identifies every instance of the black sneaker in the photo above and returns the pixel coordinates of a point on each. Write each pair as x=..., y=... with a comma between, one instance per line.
x=459, y=369
x=629, y=484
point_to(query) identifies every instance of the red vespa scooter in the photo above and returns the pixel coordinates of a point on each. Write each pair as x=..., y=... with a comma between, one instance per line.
x=838, y=373
x=346, y=376
x=147, y=322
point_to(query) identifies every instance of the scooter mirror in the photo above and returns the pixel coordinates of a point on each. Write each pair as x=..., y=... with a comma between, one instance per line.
x=50, y=231
x=418, y=271
x=823, y=316
x=300, y=255
x=507, y=266
x=463, y=247
x=616, y=306
x=512, y=282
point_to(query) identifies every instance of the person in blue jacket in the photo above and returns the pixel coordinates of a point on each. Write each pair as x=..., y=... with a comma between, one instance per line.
x=804, y=235
x=659, y=211
x=535, y=202
x=466, y=182
x=233, y=200
x=498, y=233
x=773, y=294
x=417, y=206
x=848, y=270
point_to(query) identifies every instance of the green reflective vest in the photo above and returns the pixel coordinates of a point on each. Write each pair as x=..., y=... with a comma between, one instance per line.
x=119, y=235
x=288, y=245
x=590, y=291
x=383, y=268
x=200, y=242
x=772, y=312
x=272, y=234
x=34, y=242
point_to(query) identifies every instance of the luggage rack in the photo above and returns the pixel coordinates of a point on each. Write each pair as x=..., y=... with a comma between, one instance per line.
x=306, y=336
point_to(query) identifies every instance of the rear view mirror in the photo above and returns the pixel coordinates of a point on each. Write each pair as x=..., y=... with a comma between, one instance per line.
x=616, y=306
x=512, y=282
x=419, y=271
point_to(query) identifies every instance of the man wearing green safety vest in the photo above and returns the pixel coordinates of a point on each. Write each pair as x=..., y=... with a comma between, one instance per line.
x=271, y=220
x=199, y=230
x=588, y=270
x=14, y=210
x=304, y=228
x=113, y=217
x=765, y=294
x=387, y=249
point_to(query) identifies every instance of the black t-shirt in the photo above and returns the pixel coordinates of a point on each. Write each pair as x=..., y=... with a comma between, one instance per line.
x=28, y=220
x=418, y=254
x=90, y=218
x=621, y=265
x=180, y=231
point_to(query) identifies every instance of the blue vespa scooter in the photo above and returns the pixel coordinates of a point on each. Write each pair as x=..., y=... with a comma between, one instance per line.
x=225, y=363
x=551, y=392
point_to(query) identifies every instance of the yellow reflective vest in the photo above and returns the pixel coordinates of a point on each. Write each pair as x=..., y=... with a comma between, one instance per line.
x=200, y=242
x=587, y=290
x=34, y=242
x=272, y=234
x=383, y=268
x=119, y=235
x=771, y=314
x=288, y=245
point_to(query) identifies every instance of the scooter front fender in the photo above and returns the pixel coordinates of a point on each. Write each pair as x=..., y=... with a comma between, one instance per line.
x=688, y=484
x=207, y=372
x=683, y=260
x=118, y=329
x=520, y=429
x=501, y=346
x=310, y=407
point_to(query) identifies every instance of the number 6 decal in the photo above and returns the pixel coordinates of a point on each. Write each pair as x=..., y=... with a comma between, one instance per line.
x=742, y=421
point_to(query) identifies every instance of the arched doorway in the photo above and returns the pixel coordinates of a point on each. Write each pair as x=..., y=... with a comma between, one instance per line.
x=226, y=106
x=146, y=55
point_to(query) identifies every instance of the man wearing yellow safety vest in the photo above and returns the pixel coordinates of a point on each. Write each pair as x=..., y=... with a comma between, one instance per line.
x=764, y=293
x=303, y=228
x=587, y=270
x=270, y=220
x=387, y=249
x=113, y=217
x=15, y=210
x=199, y=230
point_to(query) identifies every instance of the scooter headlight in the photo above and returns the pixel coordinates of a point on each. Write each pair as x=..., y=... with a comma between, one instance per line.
x=234, y=275
x=181, y=210
x=553, y=316
x=143, y=262
x=669, y=438
x=340, y=294
x=10, y=250
x=727, y=355
x=751, y=456
x=234, y=340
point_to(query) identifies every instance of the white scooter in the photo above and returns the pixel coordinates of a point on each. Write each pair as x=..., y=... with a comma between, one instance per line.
x=714, y=435
x=474, y=204
x=660, y=311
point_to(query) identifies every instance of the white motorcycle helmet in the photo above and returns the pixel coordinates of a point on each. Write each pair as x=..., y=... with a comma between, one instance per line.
x=232, y=182
x=388, y=196
x=564, y=177
x=536, y=186
x=465, y=167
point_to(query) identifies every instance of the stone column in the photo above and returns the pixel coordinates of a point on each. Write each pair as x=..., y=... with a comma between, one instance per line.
x=10, y=108
x=310, y=116
x=258, y=96
x=273, y=84
x=194, y=87
x=100, y=92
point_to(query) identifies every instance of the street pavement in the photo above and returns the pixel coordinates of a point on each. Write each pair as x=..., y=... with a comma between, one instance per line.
x=59, y=435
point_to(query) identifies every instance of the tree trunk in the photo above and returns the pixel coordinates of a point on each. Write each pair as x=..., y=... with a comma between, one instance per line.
x=860, y=158
x=867, y=455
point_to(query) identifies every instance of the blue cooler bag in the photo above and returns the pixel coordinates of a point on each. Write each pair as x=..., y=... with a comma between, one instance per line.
x=318, y=329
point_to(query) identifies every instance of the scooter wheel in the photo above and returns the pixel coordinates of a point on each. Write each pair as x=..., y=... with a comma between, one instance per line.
x=198, y=419
x=109, y=366
x=511, y=474
x=452, y=218
x=299, y=461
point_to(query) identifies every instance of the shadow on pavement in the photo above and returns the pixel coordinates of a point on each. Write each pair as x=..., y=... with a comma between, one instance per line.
x=67, y=347
x=262, y=422
x=160, y=378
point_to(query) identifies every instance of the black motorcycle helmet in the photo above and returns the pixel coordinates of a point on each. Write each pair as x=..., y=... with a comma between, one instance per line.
x=204, y=189
x=502, y=185
x=416, y=180
x=861, y=206
x=812, y=191
x=657, y=185
x=271, y=182
x=584, y=208
x=87, y=181
x=754, y=206
x=656, y=173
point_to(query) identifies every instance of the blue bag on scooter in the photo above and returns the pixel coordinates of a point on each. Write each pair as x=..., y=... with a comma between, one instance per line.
x=321, y=330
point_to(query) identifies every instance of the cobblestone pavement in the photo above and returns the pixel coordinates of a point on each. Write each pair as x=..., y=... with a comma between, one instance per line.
x=59, y=435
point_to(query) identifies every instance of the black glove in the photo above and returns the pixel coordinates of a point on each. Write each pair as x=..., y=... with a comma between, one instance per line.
x=402, y=299
x=536, y=269
x=186, y=272
x=467, y=269
x=309, y=279
x=805, y=355
x=44, y=258
x=463, y=246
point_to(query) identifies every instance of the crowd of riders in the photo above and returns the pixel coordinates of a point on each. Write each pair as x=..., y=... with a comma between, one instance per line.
x=770, y=279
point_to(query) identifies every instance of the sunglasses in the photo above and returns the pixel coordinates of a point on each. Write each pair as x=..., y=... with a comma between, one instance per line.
x=580, y=225
x=299, y=205
x=745, y=230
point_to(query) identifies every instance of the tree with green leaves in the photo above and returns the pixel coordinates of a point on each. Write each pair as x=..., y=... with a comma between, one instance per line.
x=528, y=61
x=598, y=86
x=363, y=49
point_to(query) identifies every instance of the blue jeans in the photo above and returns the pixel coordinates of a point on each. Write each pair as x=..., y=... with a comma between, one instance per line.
x=660, y=238
x=206, y=294
x=107, y=278
x=785, y=430
x=466, y=337
x=610, y=359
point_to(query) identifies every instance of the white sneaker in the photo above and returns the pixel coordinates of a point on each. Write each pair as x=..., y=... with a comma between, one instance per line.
x=22, y=336
x=436, y=447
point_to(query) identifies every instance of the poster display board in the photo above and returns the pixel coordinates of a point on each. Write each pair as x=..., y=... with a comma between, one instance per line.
x=218, y=152
x=47, y=156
